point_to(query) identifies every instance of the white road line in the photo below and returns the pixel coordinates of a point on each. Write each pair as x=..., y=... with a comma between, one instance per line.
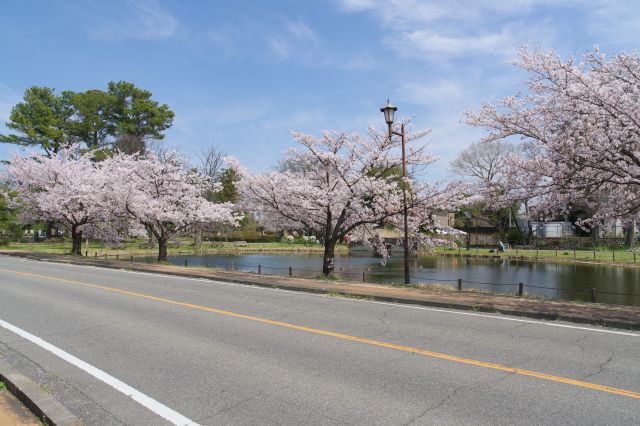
x=399, y=305
x=144, y=400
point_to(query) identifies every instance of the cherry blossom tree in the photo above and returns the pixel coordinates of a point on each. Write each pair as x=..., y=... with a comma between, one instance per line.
x=112, y=196
x=580, y=122
x=341, y=183
x=485, y=165
x=163, y=197
x=64, y=187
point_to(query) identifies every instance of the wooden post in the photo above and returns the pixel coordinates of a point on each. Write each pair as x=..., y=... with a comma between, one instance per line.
x=185, y=263
x=132, y=258
x=613, y=254
x=593, y=295
x=459, y=284
x=520, y=289
x=574, y=255
x=363, y=276
x=634, y=257
x=259, y=269
x=594, y=255
x=290, y=271
x=556, y=252
x=117, y=256
x=95, y=255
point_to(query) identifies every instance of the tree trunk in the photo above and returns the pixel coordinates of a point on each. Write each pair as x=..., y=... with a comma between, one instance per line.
x=197, y=238
x=162, y=248
x=76, y=236
x=595, y=235
x=529, y=225
x=49, y=231
x=629, y=234
x=328, y=260
x=152, y=237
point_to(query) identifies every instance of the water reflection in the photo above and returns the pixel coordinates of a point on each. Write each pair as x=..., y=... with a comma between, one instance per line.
x=562, y=280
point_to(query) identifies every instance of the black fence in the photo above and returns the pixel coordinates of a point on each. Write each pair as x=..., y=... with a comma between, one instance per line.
x=459, y=284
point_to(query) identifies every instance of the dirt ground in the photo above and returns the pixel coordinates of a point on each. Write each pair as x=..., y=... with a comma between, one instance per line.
x=13, y=412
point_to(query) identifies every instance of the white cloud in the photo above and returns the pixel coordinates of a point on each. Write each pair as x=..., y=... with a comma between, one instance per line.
x=452, y=28
x=280, y=47
x=299, y=40
x=302, y=31
x=615, y=21
x=136, y=20
x=427, y=42
x=437, y=93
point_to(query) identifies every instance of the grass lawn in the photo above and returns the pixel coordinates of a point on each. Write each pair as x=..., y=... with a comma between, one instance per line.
x=600, y=255
x=186, y=246
x=619, y=256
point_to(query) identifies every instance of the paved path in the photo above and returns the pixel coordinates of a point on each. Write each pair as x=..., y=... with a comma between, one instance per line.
x=216, y=353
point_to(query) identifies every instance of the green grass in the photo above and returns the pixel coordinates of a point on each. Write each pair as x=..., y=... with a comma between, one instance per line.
x=334, y=293
x=600, y=255
x=618, y=256
x=3, y=387
x=333, y=277
x=133, y=248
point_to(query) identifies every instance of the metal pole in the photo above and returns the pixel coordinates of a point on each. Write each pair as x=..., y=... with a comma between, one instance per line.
x=407, y=275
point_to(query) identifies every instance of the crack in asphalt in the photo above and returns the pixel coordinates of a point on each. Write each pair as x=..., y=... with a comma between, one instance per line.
x=444, y=400
x=601, y=367
x=452, y=394
x=241, y=402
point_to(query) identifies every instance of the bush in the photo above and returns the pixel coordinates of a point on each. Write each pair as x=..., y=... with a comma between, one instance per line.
x=515, y=237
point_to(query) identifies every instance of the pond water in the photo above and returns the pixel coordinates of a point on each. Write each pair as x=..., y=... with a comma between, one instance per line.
x=553, y=280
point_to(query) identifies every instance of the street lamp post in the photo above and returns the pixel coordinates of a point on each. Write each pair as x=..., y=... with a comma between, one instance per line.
x=389, y=112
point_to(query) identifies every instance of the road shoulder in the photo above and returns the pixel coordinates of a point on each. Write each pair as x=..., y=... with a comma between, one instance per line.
x=41, y=403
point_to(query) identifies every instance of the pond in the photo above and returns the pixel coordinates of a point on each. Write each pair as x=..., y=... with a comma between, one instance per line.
x=552, y=280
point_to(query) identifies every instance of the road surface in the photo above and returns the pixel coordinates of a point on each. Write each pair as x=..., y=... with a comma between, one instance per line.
x=121, y=347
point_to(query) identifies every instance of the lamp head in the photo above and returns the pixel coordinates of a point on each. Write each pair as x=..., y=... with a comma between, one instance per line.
x=389, y=112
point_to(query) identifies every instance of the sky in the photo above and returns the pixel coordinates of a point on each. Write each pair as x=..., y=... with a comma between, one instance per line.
x=240, y=75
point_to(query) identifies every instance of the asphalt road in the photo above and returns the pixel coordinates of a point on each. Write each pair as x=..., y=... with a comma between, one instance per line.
x=217, y=353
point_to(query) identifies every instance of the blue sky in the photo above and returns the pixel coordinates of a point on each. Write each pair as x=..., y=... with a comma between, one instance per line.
x=241, y=74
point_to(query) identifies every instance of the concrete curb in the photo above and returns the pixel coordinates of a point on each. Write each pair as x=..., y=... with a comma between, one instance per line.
x=283, y=284
x=41, y=403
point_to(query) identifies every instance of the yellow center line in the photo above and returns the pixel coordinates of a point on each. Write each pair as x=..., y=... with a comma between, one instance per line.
x=410, y=349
